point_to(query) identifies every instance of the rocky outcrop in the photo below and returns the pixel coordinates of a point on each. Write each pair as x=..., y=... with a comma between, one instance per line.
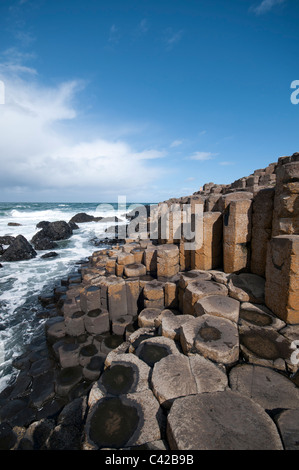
x=50, y=233
x=82, y=217
x=19, y=250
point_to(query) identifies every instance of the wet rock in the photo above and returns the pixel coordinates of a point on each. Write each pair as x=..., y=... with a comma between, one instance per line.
x=13, y=224
x=140, y=335
x=20, y=249
x=124, y=421
x=52, y=254
x=288, y=425
x=153, y=350
x=126, y=374
x=82, y=217
x=67, y=435
x=7, y=240
x=43, y=389
x=53, y=231
x=38, y=433
x=66, y=379
x=234, y=423
x=7, y=437
x=268, y=388
x=119, y=325
x=44, y=244
x=95, y=367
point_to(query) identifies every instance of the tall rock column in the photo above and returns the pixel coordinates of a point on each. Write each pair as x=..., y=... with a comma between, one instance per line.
x=168, y=260
x=262, y=214
x=209, y=255
x=282, y=277
x=237, y=235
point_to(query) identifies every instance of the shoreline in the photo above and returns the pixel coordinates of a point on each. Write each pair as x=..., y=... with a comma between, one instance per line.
x=151, y=341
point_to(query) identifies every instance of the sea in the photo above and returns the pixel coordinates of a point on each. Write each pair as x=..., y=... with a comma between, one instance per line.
x=22, y=282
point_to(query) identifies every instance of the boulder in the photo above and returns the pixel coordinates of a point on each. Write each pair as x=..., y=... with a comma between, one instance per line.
x=53, y=231
x=220, y=421
x=20, y=249
x=52, y=254
x=82, y=217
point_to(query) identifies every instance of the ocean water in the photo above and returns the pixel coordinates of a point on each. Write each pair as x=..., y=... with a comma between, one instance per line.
x=22, y=282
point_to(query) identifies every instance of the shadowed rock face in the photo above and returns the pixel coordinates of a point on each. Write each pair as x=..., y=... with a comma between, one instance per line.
x=113, y=423
x=258, y=319
x=152, y=353
x=265, y=344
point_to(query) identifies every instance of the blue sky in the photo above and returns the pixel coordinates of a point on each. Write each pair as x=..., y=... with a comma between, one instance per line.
x=146, y=99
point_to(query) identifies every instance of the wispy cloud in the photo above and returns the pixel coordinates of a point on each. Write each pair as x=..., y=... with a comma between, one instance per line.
x=176, y=143
x=266, y=5
x=171, y=38
x=143, y=26
x=202, y=156
x=114, y=35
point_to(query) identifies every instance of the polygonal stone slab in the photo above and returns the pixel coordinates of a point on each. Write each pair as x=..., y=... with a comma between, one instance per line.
x=266, y=347
x=288, y=424
x=266, y=387
x=214, y=337
x=219, y=276
x=123, y=421
x=154, y=349
x=247, y=287
x=259, y=315
x=172, y=378
x=209, y=377
x=219, y=306
x=171, y=325
x=220, y=421
x=135, y=270
x=197, y=290
x=291, y=332
x=218, y=339
x=126, y=374
x=140, y=335
x=147, y=317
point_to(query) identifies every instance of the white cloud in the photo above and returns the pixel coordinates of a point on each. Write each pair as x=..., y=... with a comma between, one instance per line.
x=114, y=35
x=266, y=5
x=202, y=156
x=176, y=143
x=36, y=154
x=172, y=37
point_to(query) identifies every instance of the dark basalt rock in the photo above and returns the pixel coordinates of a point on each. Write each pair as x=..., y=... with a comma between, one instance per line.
x=113, y=423
x=152, y=353
x=13, y=224
x=7, y=240
x=118, y=380
x=52, y=254
x=20, y=249
x=82, y=217
x=7, y=437
x=52, y=231
x=73, y=226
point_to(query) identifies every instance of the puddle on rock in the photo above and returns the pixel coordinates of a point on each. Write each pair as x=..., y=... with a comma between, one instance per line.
x=118, y=380
x=113, y=423
x=152, y=353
